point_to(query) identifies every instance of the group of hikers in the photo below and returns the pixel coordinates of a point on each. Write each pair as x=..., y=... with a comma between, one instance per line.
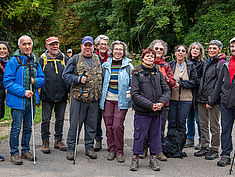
x=102, y=83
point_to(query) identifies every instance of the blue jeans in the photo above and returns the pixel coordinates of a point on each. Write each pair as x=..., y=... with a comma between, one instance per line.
x=17, y=117
x=227, y=120
x=177, y=117
x=193, y=115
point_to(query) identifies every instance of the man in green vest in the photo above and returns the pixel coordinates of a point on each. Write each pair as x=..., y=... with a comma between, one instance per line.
x=83, y=73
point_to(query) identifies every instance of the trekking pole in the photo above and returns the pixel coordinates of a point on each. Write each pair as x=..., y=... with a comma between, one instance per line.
x=231, y=169
x=34, y=151
x=75, y=153
x=80, y=106
x=31, y=105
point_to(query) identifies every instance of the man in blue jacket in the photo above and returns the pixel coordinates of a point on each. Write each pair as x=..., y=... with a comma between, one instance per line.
x=20, y=70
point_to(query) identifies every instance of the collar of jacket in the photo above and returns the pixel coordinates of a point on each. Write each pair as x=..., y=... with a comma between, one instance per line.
x=59, y=55
x=125, y=62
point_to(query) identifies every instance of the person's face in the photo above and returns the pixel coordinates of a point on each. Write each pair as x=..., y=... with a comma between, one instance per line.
x=87, y=49
x=103, y=46
x=26, y=45
x=118, y=51
x=180, y=54
x=53, y=48
x=195, y=51
x=159, y=49
x=232, y=48
x=3, y=51
x=69, y=54
x=149, y=59
x=214, y=50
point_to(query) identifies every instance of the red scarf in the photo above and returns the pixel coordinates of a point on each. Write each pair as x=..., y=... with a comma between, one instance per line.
x=232, y=68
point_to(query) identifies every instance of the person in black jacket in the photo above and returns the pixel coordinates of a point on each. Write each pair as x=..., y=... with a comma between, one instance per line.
x=4, y=52
x=185, y=75
x=54, y=94
x=208, y=103
x=227, y=106
x=197, y=56
x=149, y=93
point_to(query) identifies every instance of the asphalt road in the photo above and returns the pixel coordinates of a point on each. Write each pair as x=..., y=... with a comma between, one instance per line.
x=56, y=165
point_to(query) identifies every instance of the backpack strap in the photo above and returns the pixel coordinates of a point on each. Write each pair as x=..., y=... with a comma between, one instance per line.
x=44, y=60
x=54, y=60
x=2, y=67
x=219, y=63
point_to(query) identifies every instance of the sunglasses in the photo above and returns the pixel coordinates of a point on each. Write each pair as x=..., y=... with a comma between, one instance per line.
x=181, y=50
x=161, y=49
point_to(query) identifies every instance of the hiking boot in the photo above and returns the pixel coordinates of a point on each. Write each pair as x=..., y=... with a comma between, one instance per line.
x=134, y=163
x=60, y=145
x=225, y=160
x=27, y=155
x=70, y=155
x=16, y=159
x=212, y=154
x=120, y=158
x=144, y=155
x=91, y=154
x=111, y=156
x=153, y=163
x=198, y=146
x=201, y=152
x=161, y=156
x=98, y=145
x=189, y=143
x=45, y=147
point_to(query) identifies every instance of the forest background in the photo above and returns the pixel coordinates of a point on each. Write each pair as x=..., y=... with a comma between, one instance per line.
x=136, y=22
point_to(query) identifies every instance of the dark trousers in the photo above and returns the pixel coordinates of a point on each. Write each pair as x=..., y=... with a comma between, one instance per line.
x=114, y=123
x=177, y=115
x=227, y=121
x=82, y=113
x=59, y=109
x=2, y=103
x=143, y=126
x=99, y=131
x=165, y=111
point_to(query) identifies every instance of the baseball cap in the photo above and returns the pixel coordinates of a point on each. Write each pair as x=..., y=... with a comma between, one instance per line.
x=69, y=50
x=51, y=40
x=87, y=39
x=232, y=40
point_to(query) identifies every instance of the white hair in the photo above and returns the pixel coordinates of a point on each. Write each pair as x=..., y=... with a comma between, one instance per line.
x=23, y=37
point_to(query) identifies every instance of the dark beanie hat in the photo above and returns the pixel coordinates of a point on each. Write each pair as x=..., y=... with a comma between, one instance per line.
x=2, y=42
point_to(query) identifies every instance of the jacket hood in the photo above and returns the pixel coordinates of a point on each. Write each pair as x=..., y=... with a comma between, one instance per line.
x=18, y=54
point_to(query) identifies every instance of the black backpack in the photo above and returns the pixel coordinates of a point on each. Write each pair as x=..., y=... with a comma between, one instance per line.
x=174, y=143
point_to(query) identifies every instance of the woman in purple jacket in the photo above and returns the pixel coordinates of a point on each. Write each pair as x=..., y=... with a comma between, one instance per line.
x=149, y=93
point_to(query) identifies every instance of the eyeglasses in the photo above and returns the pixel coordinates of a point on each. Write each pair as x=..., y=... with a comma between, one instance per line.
x=103, y=44
x=118, y=50
x=181, y=50
x=161, y=49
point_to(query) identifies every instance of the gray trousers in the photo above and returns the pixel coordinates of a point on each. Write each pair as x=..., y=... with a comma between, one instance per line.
x=86, y=113
x=59, y=109
x=209, y=122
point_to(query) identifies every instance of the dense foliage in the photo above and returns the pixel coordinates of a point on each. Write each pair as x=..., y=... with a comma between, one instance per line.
x=136, y=22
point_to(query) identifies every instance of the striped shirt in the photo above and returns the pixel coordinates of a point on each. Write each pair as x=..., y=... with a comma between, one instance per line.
x=113, y=83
